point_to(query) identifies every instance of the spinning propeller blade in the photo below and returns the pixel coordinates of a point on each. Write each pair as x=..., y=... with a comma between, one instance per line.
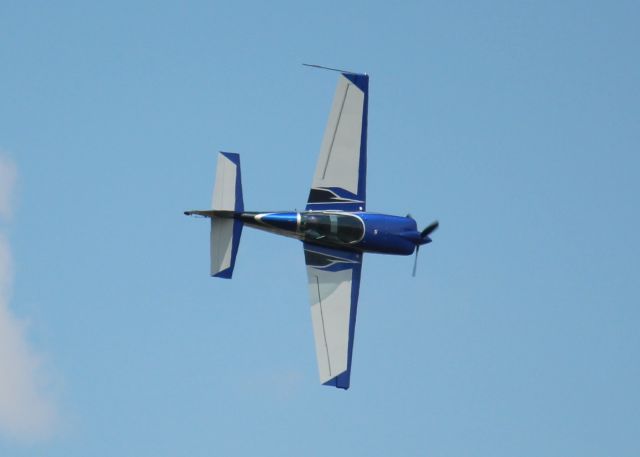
x=424, y=234
x=429, y=229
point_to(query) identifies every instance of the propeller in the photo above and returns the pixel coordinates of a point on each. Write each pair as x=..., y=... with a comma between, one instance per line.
x=429, y=229
x=424, y=239
x=415, y=261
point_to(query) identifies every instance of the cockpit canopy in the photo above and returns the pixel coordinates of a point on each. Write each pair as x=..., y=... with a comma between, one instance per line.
x=345, y=228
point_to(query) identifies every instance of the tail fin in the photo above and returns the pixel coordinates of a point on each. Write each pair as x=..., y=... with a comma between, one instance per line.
x=225, y=233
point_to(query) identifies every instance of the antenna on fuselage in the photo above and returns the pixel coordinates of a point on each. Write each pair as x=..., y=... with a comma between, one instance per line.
x=332, y=69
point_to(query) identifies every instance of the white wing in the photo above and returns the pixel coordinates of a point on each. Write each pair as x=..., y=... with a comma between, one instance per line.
x=334, y=280
x=340, y=175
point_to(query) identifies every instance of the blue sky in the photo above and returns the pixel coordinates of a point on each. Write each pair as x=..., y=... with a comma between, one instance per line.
x=516, y=124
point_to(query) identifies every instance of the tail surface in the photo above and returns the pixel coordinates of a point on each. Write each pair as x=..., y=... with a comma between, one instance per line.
x=225, y=233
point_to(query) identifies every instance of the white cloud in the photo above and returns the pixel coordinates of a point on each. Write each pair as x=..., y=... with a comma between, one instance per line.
x=27, y=411
x=7, y=182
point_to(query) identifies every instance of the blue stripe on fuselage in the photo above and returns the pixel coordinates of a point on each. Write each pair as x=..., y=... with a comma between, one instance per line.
x=287, y=221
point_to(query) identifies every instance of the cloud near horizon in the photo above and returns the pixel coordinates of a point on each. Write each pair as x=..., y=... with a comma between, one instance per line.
x=27, y=411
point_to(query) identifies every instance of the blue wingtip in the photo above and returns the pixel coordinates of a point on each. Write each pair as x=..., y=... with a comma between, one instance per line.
x=226, y=274
x=342, y=381
x=359, y=80
x=233, y=156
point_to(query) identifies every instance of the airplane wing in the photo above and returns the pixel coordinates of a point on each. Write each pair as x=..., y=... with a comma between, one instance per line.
x=339, y=182
x=334, y=283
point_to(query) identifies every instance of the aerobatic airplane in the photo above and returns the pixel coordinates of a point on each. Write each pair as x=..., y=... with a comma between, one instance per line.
x=335, y=228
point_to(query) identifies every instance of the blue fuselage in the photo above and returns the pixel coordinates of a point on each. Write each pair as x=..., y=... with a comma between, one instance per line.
x=358, y=231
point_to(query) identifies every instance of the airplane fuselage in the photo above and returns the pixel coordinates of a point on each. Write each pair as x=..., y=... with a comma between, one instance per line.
x=358, y=231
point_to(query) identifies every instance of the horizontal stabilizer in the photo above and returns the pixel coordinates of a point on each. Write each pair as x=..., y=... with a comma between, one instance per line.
x=227, y=191
x=225, y=233
x=225, y=239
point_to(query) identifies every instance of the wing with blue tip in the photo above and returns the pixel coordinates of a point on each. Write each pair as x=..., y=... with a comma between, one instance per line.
x=334, y=283
x=340, y=180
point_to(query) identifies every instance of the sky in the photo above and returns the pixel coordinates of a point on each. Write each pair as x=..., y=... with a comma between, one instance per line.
x=515, y=124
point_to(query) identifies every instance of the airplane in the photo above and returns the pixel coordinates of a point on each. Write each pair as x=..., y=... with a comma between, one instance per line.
x=335, y=228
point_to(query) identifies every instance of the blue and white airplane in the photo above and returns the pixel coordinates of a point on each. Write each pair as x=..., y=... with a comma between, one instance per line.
x=335, y=228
